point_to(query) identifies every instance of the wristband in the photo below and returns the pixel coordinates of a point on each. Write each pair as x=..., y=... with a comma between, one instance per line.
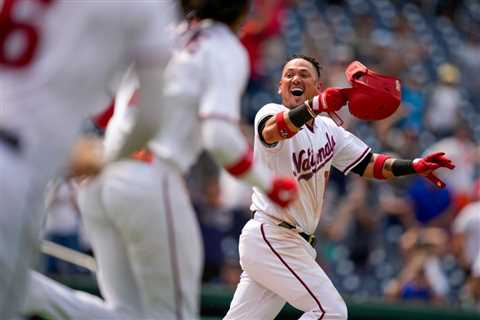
x=378, y=166
x=241, y=166
x=300, y=115
x=282, y=126
x=402, y=167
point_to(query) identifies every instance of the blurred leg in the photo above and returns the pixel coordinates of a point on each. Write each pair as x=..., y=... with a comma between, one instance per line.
x=152, y=211
x=20, y=221
x=253, y=301
x=54, y=300
x=114, y=275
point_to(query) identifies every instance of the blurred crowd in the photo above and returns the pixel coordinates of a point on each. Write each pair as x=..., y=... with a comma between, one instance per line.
x=404, y=240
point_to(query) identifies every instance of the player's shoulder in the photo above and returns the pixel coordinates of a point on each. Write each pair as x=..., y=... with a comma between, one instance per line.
x=217, y=30
x=115, y=9
x=222, y=43
x=215, y=45
x=147, y=9
x=139, y=20
x=272, y=107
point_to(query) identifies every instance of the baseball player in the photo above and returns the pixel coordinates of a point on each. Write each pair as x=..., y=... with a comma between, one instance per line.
x=57, y=61
x=49, y=297
x=276, y=246
x=138, y=214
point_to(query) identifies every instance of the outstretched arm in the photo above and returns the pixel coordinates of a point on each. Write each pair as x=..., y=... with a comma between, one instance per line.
x=380, y=166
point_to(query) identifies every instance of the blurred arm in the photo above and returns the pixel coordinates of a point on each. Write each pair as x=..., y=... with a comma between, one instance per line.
x=226, y=143
x=148, y=113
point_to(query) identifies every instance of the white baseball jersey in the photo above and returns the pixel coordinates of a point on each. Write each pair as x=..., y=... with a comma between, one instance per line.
x=205, y=79
x=308, y=157
x=197, y=87
x=65, y=67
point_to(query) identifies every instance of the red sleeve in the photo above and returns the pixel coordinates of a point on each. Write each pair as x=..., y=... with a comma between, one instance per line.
x=101, y=120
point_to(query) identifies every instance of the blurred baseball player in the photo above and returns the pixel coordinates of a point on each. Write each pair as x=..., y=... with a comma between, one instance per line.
x=138, y=214
x=276, y=246
x=57, y=61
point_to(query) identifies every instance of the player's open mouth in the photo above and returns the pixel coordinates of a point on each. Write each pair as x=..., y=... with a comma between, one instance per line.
x=297, y=92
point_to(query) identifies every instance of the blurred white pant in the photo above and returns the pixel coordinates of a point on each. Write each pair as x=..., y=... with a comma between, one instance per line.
x=21, y=217
x=279, y=266
x=46, y=136
x=146, y=240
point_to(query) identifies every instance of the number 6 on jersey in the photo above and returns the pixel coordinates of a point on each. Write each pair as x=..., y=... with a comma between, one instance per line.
x=19, y=36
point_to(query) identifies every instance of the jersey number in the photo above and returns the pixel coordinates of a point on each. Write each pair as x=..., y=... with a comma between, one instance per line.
x=19, y=38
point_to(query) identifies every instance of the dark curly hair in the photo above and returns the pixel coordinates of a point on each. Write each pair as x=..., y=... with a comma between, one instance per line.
x=218, y=10
x=312, y=60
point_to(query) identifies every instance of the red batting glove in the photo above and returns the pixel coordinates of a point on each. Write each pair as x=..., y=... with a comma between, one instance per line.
x=330, y=100
x=425, y=166
x=283, y=191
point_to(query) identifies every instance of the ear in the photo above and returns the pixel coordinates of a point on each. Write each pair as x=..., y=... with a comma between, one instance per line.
x=279, y=91
x=319, y=86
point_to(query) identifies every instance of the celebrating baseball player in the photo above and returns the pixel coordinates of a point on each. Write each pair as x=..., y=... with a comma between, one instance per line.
x=276, y=247
x=57, y=61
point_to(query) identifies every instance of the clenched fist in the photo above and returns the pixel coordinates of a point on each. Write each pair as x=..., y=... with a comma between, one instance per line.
x=330, y=100
x=283, y=191
x=86, y=158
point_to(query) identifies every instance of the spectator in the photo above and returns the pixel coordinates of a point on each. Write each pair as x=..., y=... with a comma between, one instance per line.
x=431, y=206
x=467, y=56
x=265, y=22
x=356, y=221
x=342, y=56
x=465, y=154
x=421, y=278
x=445, y=101
x=414, y=100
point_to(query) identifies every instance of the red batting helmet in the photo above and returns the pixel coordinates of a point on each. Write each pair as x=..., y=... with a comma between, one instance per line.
x=373, y=96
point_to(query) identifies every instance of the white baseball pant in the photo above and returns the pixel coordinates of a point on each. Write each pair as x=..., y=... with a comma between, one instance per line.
x=24, y=173
x=279, y=266
x=21, y=217
x=146, y=239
